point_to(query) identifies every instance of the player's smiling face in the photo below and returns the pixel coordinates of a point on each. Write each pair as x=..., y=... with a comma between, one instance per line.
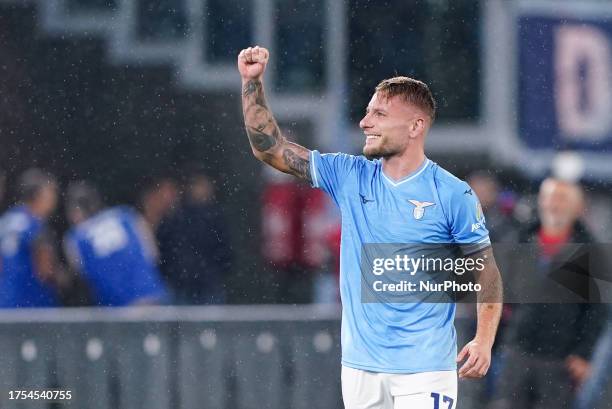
x=388, y=125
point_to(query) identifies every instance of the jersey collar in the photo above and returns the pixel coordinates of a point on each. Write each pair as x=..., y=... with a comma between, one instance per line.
x=405, y=179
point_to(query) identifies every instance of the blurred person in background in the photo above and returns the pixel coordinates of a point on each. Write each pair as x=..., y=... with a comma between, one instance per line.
x=326, y=288
x=595, y=389
x=498, y=212
x=195, y=255
x=281, y=237
x=497, y=207
x=319, y=250
x=296, y=223
x=547, y=346
x=32, y=275
x=158, y=199
x=112, y=249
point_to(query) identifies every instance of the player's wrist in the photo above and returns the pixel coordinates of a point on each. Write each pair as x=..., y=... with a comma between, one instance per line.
x=246, y=80
x=484, y=340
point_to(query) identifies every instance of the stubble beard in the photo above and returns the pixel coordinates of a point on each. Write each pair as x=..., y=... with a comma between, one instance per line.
x=382, y=150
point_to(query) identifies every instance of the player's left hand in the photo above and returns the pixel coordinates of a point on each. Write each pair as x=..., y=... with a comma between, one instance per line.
x=478, y=356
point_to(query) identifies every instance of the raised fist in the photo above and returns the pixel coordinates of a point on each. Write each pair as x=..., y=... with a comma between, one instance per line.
x=252, y=62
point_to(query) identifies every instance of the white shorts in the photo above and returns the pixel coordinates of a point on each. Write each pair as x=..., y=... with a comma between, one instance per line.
x=374, y=390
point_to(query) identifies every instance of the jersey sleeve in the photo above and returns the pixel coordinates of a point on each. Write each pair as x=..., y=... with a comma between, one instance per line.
x=467, y=220
x=329, y=171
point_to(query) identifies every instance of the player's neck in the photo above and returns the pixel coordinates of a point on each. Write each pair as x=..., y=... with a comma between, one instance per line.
x=399, y=166
x=36, y=210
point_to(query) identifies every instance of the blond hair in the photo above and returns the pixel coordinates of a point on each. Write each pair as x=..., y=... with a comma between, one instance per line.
x=412, y=91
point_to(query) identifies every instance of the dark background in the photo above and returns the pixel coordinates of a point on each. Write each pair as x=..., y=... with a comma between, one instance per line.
x=64, y=108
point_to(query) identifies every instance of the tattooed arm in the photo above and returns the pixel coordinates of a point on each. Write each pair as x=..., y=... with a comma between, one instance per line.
x=267, y=142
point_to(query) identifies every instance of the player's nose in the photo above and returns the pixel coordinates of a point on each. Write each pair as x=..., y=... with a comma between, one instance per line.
x=365, y=122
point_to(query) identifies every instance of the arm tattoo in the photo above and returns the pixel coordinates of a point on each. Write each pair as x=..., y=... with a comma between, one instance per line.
x=266, y=138
x=490, y=279
x=299, y=166
x=260, y=140
x=261, y=127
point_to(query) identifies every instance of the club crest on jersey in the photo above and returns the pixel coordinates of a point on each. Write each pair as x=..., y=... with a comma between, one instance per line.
x=419, y=208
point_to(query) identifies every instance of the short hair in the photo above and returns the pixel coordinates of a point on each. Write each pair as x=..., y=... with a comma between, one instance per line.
x=83, y=196
x=412, y=91
x=32, y=181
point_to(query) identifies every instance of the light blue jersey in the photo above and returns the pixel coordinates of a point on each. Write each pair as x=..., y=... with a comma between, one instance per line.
x=428, y=206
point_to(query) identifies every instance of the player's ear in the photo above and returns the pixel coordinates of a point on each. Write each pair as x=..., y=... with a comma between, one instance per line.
x=417, y=127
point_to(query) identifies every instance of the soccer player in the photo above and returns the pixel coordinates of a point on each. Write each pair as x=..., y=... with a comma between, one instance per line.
x=393, y=355
x=112, y=249
x=31, y=275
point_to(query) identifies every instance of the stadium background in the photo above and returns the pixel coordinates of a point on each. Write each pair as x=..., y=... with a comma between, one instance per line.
x=124, y=92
